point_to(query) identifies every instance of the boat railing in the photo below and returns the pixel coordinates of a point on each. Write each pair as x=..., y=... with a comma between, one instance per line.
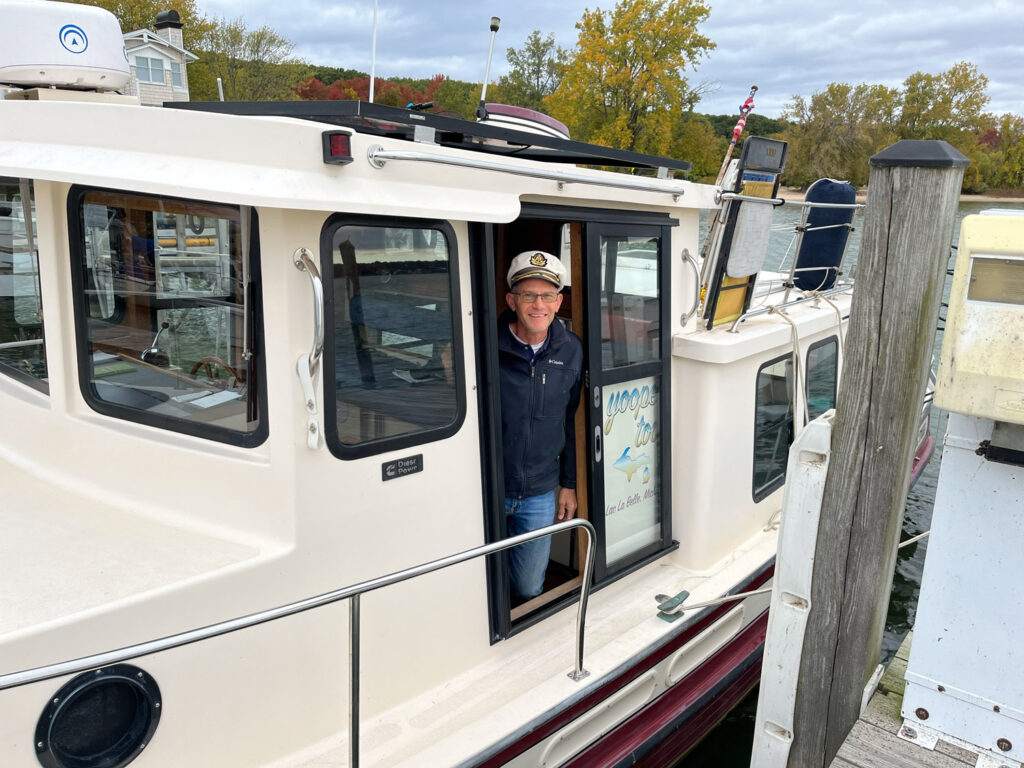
x=801, y=228
x=783, y=305
x=378, y=157
x=778, y=201
x=351, y=593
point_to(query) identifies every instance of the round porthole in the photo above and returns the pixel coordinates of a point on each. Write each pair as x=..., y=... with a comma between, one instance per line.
x=101, y=719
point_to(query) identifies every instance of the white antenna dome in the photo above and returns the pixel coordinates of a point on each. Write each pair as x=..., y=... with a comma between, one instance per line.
x=45, y=43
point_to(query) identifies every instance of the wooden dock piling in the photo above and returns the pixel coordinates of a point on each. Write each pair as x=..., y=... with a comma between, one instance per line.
x=912, y=199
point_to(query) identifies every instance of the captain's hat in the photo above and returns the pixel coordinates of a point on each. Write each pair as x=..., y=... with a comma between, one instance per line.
x=538, y=264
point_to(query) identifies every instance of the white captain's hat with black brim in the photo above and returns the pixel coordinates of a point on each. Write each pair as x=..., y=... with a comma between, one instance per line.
x=538, y=264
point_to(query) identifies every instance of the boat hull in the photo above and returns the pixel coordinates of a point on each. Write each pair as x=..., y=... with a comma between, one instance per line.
x=665, y=728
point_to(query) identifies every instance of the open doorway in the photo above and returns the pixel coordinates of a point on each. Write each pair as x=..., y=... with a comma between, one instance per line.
x=616, y=302
x=565, y=240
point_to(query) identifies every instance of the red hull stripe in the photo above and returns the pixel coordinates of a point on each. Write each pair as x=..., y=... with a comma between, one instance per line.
x=660, y=733
x=921, y=458
x=642, y=665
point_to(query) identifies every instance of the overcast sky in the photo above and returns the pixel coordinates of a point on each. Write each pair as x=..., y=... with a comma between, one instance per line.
x=785, y=47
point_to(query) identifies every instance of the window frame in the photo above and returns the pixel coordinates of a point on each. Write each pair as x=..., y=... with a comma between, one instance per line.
x=759, y=494
x=176, y=68
x=11, y=371
x=807, y=370
x=149, y=70
x=253, y=292
x=347, y=452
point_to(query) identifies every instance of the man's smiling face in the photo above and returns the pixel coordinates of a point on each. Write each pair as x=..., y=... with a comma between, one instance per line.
x=533, y=317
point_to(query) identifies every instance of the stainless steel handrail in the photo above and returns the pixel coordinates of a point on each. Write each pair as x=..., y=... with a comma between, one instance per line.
x=776, y=307
x=85, y=663
x=688, y=259
x=304, y=263
x=378, y=156
x=777, y=201
x=811, y=204
x=26, y=343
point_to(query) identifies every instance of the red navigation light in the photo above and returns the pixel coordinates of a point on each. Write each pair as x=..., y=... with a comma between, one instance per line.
x=337, y=147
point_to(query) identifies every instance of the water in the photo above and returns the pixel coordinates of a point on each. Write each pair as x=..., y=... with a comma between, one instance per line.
x=729, y=745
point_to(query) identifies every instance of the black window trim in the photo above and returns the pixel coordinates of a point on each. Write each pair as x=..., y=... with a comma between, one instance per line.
x=763, y=493
x=253, y=290
x=384, y=445
x=807, y=368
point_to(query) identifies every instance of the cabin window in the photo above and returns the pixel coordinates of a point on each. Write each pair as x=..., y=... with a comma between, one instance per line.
x=149, y=70
x=629, y=300
x=392, y=335
x=176, y=79
x=164, y=301
x=773, y=425
x=822, y=371
x=22, y=346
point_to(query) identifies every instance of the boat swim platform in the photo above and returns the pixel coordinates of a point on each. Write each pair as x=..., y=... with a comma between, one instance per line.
x=874, y=741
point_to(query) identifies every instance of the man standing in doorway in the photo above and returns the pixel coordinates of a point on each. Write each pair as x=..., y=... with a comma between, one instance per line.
x=541, y=365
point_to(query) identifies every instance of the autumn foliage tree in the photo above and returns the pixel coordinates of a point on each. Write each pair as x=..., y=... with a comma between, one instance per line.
x=141, y=14
x=695, y=140
x=624, y=84
x=835, y=131
x=452, y=97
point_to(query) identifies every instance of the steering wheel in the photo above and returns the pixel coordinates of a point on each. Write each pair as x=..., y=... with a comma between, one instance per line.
x=208, y=363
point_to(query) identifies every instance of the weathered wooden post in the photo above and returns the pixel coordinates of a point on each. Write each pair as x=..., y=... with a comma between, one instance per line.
x=913, y=192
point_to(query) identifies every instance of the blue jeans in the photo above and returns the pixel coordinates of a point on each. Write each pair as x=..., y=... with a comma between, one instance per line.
x=528, y=562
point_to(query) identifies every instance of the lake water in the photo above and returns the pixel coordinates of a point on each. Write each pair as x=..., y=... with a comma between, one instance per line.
x=728, y=746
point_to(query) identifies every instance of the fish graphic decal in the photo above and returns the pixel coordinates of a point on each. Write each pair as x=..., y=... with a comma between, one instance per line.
x=629, y=464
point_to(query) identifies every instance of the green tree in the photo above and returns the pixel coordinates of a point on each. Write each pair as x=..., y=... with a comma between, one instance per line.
x=253, y=64
x=623, y=84
x=334, y=74
x=757, y=125
x=457, y=98
x=695, y=140
x=833, y=133
x=1009, y=171
x=141, y=14
x=535, y=71
x=941, y=106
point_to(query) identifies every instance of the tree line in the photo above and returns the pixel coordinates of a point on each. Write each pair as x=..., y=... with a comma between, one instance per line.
x=626, y=83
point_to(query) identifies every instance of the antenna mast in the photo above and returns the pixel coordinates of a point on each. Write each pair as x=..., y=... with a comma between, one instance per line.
x=481, y=112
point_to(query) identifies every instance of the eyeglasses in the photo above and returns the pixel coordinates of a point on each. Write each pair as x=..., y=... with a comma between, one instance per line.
x=529, y=296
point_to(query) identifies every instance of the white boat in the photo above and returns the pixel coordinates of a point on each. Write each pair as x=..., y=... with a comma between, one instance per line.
x=248, y=374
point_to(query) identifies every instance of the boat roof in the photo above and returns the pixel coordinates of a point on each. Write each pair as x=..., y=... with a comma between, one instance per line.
x=449, y=131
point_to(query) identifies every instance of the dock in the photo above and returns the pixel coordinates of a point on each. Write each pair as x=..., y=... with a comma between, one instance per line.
x=874, y=741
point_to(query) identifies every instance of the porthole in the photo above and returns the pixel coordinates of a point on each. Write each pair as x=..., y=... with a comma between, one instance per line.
x=100, y=719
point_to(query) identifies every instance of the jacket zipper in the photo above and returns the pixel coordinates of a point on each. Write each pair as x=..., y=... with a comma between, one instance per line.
x=529, y=431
